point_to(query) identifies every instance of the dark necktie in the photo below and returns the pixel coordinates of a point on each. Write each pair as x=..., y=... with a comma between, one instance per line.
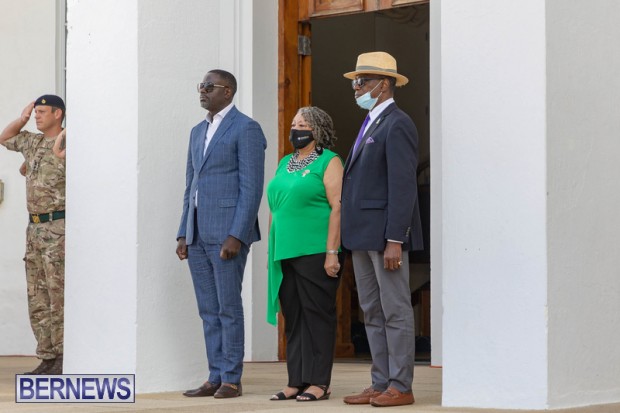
x=360, y=135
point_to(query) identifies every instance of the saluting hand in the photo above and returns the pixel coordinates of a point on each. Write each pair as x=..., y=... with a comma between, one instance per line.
x=27, y=112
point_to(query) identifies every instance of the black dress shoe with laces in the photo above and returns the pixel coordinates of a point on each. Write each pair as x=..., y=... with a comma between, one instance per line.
x=43, y=367
x=206, y=390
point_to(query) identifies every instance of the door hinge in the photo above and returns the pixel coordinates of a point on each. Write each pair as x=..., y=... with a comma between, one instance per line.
x=303, y=45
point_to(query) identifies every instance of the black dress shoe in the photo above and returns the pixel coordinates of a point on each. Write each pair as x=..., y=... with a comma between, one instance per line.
x=206, y=390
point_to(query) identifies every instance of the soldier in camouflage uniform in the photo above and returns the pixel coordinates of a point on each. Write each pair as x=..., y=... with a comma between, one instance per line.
x=45, y=247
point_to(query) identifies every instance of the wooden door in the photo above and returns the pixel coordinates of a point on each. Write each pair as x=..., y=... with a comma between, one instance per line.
x=295, y=91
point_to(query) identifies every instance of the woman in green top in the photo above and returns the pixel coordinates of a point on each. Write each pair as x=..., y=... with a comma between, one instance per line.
x=304, y=258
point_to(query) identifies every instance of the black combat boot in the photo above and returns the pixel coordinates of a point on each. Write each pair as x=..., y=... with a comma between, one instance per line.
x=44, y=367
x=57, y=367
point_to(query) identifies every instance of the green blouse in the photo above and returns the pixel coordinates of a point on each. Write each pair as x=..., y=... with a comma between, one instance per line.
x=299, y=219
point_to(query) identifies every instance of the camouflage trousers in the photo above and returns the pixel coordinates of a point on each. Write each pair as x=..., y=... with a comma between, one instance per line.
x=45, y=276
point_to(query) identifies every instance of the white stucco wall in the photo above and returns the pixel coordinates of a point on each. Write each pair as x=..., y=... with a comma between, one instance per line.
x=583, y=62
x=172, y=57
x=494, y=209
x=264, y=71
x=27, y=44
x=148, y=64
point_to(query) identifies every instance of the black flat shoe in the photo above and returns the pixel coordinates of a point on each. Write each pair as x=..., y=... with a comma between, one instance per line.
x=309, y=397
x=279, y=396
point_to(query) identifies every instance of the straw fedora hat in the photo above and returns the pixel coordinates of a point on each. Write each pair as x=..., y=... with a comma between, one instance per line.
x=377, y=63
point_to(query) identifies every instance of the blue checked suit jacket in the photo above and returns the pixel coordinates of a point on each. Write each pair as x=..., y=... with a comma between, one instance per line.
x=229, y=179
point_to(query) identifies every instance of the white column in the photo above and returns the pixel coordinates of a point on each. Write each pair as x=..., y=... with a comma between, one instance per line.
x=583, y=149
x=262, y=42
x=133, y=68
x=494, y=204
x=529, y=94
x=102, y=182
x=437, y=186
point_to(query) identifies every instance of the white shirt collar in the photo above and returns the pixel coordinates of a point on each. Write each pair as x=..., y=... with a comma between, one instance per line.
x=219, y=115
x=377, y=110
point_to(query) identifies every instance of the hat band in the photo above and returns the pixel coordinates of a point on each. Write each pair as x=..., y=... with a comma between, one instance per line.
x=363, y=68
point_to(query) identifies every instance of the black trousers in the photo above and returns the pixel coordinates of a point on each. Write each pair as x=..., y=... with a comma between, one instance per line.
x=308, y=302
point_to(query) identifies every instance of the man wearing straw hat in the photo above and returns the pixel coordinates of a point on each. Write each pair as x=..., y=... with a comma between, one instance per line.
x=380, y=223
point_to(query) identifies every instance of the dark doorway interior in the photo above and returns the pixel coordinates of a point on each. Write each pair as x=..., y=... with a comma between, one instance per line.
x=336, y=43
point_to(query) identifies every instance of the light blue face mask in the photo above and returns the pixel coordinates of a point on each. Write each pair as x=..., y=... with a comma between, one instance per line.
x=366, y=101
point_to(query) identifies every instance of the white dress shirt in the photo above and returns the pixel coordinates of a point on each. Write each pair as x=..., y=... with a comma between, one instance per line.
x=376, y=111
x=214, y=123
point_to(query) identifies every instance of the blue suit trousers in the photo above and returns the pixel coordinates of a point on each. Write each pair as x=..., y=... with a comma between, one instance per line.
x=217, y=284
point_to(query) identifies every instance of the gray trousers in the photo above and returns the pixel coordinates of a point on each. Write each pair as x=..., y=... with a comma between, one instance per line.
x=385, y=298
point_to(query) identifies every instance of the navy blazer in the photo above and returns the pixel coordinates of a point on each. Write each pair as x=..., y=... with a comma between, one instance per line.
x=379, y=190
x=229, y=179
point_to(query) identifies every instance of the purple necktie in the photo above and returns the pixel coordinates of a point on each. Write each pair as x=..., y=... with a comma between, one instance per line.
x=360, y=135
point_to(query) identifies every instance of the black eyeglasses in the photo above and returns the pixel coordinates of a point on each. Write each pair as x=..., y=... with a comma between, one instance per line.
x=207, y=86
x=361, y=81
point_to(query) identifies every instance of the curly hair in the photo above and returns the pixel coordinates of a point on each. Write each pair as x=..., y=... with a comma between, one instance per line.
x=322, y=126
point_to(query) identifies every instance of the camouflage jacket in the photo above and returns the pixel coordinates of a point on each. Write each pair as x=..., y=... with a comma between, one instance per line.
x=45, y=173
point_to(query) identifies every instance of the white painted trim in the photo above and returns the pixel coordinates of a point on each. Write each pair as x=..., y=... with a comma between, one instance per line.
x=61, y=48
x=437, y=187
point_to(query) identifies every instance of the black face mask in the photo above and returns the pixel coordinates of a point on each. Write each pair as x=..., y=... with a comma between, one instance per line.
x=300, y=138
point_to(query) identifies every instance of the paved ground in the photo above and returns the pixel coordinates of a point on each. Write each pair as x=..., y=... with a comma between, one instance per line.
x=260, y=380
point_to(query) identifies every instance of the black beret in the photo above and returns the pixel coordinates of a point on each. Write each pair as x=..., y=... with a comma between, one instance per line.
x=50, y=100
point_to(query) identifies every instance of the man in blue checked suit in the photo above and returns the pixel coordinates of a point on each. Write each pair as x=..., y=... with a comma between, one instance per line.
x=224, y=186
